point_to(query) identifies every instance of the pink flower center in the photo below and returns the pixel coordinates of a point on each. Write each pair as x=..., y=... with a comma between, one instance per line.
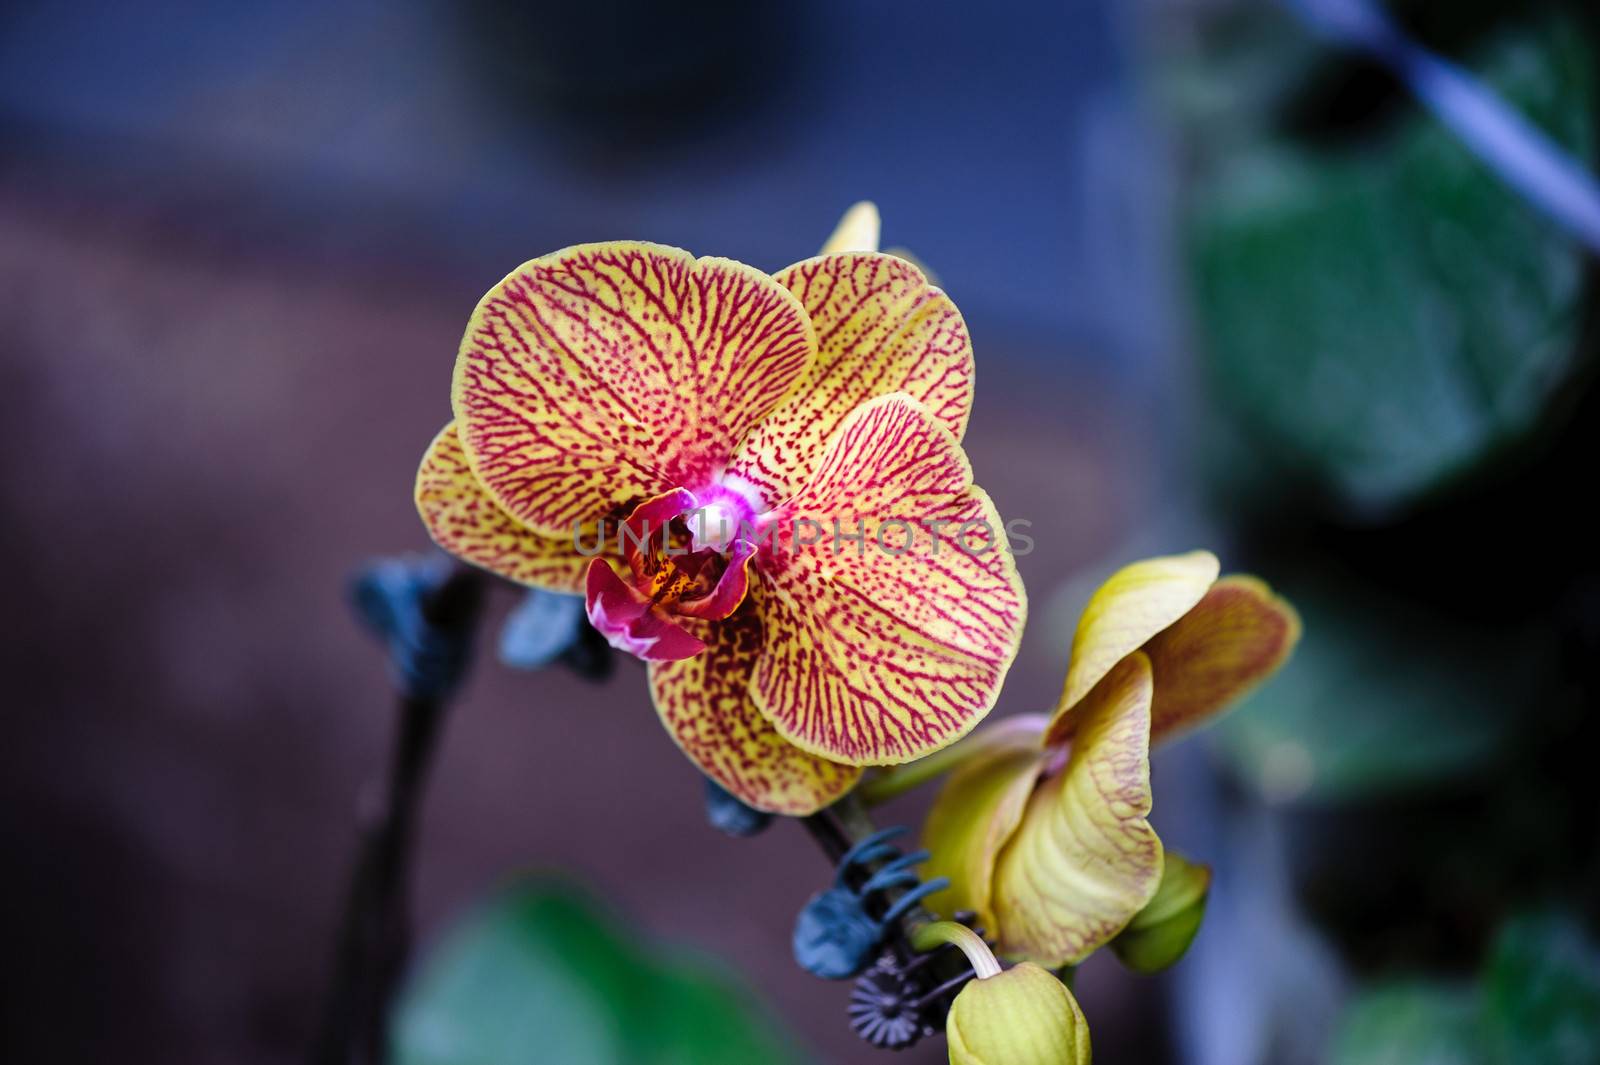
x=688, y=558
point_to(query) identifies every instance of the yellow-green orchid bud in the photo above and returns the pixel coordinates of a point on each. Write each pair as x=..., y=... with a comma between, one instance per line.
x=1160, y=933
x=857, y=231
x=1023, y=1016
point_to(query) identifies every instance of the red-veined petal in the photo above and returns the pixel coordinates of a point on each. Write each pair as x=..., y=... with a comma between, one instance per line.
x=973, y=818
x=880, y=652
x=608, y=372
x=1233, y=639
x=1134, y=604
x=704, y=703
x=881, y=328
x=463, y=519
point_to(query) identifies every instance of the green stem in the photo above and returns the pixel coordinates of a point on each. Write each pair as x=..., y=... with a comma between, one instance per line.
x=901, y=779
x=926, y=937
x=853, y=817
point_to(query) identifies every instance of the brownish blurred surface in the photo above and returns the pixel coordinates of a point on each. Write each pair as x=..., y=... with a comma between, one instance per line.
x=204, y=437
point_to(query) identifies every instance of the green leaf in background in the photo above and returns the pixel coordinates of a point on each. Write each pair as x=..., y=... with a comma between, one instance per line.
x=1384, y=695
x=540, y=974
x=1382, y=318
x=1537, y=1003
x=1542, y=993
x=1410, y=1025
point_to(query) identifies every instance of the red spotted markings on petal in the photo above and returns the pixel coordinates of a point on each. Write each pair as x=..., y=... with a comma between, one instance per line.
x=608, y=372
x=881, y=655
x=881, y=328
x=705, y=704
x=463, y=519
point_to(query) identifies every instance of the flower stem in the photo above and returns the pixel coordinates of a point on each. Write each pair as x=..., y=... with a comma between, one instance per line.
x=374, y=932
x=854, y=817
x=894, y=782
x=931, y=936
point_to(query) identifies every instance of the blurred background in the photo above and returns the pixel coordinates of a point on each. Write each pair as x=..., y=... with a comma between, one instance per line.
x=1228, y=285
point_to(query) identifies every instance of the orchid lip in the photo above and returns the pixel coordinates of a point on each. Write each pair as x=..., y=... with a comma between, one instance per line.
x=706, y=581
x=631, y=622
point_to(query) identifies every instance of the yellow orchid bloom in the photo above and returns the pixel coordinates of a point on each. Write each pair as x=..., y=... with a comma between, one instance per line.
x=608, y=393
x=1044, y=832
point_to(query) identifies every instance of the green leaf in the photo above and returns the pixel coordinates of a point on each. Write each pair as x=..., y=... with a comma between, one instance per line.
x=540, y=974
x=1382, y=319
x=1410, y=1025
x=1542, y=993
x=1537, y=1002
x=1384, y=695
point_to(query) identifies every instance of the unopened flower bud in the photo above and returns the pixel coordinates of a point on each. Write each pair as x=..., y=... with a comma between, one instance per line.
x=1022, y=1016
x=1160, y=933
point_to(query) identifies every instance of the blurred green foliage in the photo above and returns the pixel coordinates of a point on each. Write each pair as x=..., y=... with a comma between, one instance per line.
x=1410, y=1024
x=1382, y=316
x=1385, y=694
x=541, y=974
x=1537, y=1002
x=1400, y=358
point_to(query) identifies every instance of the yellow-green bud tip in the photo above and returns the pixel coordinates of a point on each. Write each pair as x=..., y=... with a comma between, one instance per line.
x=1023, y=1016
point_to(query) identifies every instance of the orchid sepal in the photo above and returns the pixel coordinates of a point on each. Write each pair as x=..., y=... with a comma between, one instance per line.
x=1085, y=859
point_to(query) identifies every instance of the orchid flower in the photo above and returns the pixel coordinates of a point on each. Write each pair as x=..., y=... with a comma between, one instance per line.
x=1043, y=831
x=747, y=477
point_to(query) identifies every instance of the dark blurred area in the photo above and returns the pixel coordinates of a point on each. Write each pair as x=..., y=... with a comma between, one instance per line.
x=1228, y=286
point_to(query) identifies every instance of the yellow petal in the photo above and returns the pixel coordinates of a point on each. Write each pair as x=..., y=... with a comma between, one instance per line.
x=1233, y=639
x=606, y=373
x=881, y=328
x=883, y=650
x=1023, y=1016
x=856, y=231
x=704, y=702
x=914, y=260
x=1085, y=859
x=1137, y=602
x=976, y=812
x=1160, y=933
x=463, y=519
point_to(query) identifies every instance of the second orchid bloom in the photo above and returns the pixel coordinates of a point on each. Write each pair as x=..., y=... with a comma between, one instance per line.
x=1043, y=830
x=715, y=438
